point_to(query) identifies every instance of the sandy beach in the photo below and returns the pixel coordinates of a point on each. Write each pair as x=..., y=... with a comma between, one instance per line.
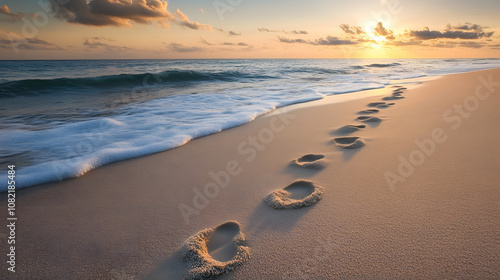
x=408, y=190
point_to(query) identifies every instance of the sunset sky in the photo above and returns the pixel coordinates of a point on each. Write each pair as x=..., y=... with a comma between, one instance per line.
x=88, y=29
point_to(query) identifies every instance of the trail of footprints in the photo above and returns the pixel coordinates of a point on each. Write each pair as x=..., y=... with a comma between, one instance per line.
x=214, y=251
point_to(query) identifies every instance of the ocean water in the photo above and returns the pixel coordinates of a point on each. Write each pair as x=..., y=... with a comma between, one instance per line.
x=61, y=119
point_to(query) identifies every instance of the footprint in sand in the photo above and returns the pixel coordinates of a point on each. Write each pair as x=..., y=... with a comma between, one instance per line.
x=368, y=119
x=368, y=112
x=348, y=142
x=310, y=161
x=215, y=251
x=393, y=97
x=380, y=105
x=396, y=94
x=299, y=194
x=350, y=128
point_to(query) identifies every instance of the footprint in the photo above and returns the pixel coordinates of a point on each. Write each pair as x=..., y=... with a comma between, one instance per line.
x=348, y=142
x=350, y=128
x=375, y=104
x=397, y=92
x=368, y=119
x=368, y=112
x=310, y=161
x=394, y=97
x=215, y=251
x=299, y=194
x=380, y=105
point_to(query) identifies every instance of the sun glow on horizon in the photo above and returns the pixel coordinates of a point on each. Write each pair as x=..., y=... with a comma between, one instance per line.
x=137, y=29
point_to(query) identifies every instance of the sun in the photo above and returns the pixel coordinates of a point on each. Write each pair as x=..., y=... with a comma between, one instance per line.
x=376, y=40
x=379, y=39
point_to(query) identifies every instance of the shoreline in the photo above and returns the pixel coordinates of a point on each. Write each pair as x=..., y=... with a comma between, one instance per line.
x=86, y=167
x=124, y=220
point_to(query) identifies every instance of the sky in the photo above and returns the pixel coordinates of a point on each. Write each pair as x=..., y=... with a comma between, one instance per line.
x=156, y=29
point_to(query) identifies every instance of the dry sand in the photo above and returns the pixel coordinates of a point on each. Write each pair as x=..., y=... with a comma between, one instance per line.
x=420, y=200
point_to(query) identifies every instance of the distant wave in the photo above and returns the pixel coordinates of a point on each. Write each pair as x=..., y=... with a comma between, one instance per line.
x=37, y=86
x=382, y=65
x=316, y=70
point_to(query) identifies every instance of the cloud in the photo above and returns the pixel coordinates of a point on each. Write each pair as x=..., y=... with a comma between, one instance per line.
x=14, y=41
x=472, y=31
x=241, y=44
x=102, y=38
x=122, y=13
x=177, y=47
x=329, y=41
x=11, y=16
x=230, y=32
x=474, y=45
x=334, y=41
x=202, y=11
x=290, y=41
x=204, y=41
x=466, y=26
x=295, y=32
x=114, y=12
x=411, y=42
x=267, y=30
x=381, y=30
x=441, y=44
x=351, y=29
x=183, y=20
x=97, y=43
x=453, y=44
